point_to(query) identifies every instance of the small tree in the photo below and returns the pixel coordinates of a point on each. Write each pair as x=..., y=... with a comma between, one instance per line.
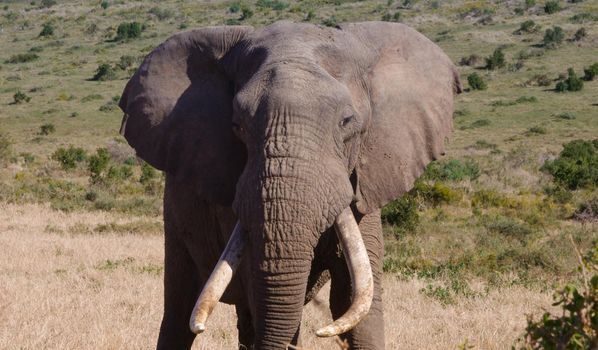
x=591, y=72
x=496, y=60
x=47, y=30
x=128, y=30
x=552, y=6
x=528, y=26
x=476, y=82
x=104, y=72
x=572, y=83
x=104, y=4
x=97, y=165
x=20, y=97
x=553, y=37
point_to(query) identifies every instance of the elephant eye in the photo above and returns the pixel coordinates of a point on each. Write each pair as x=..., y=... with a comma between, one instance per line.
x=237, y=128
x=346, y=120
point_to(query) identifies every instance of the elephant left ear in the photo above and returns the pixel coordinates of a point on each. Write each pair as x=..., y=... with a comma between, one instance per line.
x=412, y=86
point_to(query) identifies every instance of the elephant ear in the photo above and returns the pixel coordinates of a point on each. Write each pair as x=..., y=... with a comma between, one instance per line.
x=178, y=108
x=411, y=92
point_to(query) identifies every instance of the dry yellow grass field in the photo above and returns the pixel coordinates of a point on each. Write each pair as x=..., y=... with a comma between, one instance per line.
x=64, y=289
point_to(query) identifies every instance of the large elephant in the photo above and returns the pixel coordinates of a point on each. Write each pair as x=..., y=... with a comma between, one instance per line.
x=286, y=140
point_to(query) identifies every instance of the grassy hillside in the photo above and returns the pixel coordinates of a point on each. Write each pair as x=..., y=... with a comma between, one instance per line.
x=483, y=218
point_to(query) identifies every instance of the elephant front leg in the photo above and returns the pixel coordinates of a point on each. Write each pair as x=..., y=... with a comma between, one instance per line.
x=181, y=287
x=369, y=333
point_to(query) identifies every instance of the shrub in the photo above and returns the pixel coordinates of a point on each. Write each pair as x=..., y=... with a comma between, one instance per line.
x=234, y=7
x=553, y=37
x=161, y=14
x=148, y=173
x=104, y=72
x=580, y=34
x=396, y=17
x=538, y=130
x=453, y=170
x=576, y=165
x=402, y=214
x=587, y=211
x=246, y=13
x=591, y=72
x=20, y=97
x=583, y=17
x=476, y=82
x=496, y=60
x=435, y=194
x=69, y=157
x=47, y=129
x=576, y=325
x=273, y=4
x=330, y=22
x=125, y=62
x=552, y=6
x=528, y=26
x=530, y=3
x=97, y=164
x=48, y=3
x=471, y=60
x=22, y=58
x=104, y=4
x=128, y=30
x=47, y=30
x=572, y=83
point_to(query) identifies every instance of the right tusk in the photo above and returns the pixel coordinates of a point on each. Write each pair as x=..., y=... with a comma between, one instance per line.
x=360, y=270
x=219, y=280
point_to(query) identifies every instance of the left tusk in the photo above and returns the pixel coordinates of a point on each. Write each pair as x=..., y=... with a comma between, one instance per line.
x=360, y=270
x=219, y=280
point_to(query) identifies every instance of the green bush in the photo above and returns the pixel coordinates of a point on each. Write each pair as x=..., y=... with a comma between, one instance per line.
x=576, y=165
x=402, y=213
x=69, y=157
x=148, y=173
x=47, y=129
x=161, y=14
x=22, y=58
x=435, y=194
x=126, y=61
x=47, y=30
x=234, y=7
x=576, y=325
x=528, y=26
x=584, y=17
x=530, y=3
x=588, y=211
x=476, y=82
x=330, y=21
x=591, y=72
x=396, y=17
x=104, y=72
x=104, y=4
x=552, y=6
x=452, y=170
x=572, y=83
x=48, y=3
x=20, y=97
x=273, y=4
x=128, y=30
x=97, y=164
x=496, y=60
x=553, y=37
x=538, y=130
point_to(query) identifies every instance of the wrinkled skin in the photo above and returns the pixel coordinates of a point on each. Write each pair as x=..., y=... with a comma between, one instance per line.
x=282, y=128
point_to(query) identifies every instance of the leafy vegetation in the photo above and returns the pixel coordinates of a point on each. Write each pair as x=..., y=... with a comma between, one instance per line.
x=22, y=58
x=104, y=72
x=128, y=30
x=69, y=157
x=553, y=37
x=496, y=60
x=572, y=83
x=476, y=82
x=577, y=164
x=552, y=6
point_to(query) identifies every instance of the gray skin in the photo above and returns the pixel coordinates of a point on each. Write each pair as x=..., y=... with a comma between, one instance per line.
x=282, y=128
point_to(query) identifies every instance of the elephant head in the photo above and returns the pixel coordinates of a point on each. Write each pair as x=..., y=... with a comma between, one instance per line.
x=297, y=127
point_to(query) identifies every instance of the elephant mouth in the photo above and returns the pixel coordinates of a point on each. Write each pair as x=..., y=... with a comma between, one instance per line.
x=356, y=257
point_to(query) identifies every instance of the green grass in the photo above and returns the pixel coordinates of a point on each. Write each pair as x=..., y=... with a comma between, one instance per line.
x=505, y=225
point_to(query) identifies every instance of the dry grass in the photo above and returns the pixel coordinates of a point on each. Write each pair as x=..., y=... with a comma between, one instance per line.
x=104, y=291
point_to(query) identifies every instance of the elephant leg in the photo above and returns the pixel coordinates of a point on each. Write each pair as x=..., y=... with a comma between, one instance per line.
x=181, y=287
x=245, y=328
x=369, y=333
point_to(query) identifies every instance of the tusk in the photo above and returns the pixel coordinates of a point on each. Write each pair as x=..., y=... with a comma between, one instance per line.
x=219, y=280
x=360, y=269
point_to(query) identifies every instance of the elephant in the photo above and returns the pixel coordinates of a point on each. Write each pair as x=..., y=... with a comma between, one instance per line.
x=279, y=147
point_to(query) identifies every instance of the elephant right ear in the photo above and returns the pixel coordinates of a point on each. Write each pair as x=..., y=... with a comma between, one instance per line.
x=178, y=110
